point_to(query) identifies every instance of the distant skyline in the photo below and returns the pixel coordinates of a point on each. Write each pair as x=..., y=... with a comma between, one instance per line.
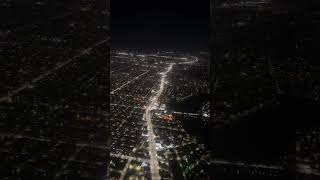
x=175, y=25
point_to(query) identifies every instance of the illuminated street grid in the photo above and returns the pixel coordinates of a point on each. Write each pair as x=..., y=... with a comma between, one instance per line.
x=264, y=59
x=53, y=93
x=147, y=141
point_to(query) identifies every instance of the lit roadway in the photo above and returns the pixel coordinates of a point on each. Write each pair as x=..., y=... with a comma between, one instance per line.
x=128, y=82
x=154, y=165
x=58, y=66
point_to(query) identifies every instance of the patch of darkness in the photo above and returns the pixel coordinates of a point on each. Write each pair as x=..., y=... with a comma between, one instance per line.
x=192, y=104
x=267, y=135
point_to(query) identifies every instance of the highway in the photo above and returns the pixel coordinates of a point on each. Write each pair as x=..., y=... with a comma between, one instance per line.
x=154, y=165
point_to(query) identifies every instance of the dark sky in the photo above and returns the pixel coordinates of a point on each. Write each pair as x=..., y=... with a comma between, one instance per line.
x=164, y=24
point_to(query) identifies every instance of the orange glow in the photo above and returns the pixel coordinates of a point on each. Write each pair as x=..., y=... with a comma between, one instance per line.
x=87, y=119
x=167, y=117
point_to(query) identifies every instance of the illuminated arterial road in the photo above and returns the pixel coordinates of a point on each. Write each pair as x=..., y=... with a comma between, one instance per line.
x=154, y=165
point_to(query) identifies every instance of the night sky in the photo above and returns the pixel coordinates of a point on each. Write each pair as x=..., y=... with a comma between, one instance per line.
x=160, y=24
